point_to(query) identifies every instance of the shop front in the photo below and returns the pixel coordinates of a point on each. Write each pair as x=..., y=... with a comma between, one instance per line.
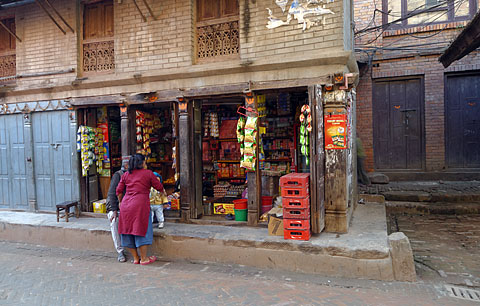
x=241, y=145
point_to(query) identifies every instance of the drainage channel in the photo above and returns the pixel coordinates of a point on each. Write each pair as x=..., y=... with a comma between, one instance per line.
x=463, y=293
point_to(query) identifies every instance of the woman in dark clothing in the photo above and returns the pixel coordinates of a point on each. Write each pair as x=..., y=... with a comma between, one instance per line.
x=135, y=222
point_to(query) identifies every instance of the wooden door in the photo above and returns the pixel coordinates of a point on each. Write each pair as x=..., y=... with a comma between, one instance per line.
x=398, y=124
x=317, y=160
x=462, y=110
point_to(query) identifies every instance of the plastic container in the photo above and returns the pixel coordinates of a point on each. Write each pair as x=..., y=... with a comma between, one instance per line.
x=266, y=204
x=241, y=214
x=240, y=204
x=296, y=202
x=295, y=180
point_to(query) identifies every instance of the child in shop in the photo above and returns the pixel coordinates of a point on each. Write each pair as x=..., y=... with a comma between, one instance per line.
x=157, y=199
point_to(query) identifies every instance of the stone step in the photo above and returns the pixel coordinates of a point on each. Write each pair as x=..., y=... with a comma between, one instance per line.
x=439, y=208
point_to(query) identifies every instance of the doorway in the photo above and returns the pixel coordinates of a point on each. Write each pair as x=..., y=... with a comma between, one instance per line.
x=398, y=130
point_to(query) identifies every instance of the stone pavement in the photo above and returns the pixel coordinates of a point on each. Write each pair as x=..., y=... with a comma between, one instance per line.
x=36, y=275
x=363, y=252
x=446, y=248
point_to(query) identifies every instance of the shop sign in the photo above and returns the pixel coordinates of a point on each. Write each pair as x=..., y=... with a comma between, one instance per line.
x=223, y=209
x=335, y=131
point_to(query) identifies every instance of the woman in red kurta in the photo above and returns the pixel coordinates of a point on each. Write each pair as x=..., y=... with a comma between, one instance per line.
x=135, y=222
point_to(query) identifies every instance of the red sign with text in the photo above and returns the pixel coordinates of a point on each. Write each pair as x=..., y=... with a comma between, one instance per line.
x=335, y=131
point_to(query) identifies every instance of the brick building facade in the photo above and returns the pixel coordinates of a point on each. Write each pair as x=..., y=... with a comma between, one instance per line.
x=127, y=55
x=394, y=53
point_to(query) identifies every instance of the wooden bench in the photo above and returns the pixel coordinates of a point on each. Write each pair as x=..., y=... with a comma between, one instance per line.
x=65, y=208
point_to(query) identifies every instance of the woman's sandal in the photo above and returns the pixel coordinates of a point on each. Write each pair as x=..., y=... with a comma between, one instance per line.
x=151, y=260
x=136, y=262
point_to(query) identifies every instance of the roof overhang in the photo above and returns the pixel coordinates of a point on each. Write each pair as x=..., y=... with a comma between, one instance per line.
x=467, y=41
x=6, y=4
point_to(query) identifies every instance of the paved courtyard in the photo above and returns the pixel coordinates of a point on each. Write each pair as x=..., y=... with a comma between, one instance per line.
x=36, y=275
x=446, y=247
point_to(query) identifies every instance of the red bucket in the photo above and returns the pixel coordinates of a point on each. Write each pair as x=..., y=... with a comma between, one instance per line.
x=240, y=204
x=266, y=204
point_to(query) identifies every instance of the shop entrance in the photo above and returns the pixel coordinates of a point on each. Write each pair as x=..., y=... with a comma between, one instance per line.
x=156, y=138
x=283, y=147
x=99, y=145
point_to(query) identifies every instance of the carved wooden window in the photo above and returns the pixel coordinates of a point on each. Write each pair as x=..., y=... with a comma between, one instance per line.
x=98, y=37
x=8, y=61
x=217, y=30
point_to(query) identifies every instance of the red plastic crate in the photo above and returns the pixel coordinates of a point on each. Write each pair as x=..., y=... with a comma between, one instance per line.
x=296, y=213
x=296, y=234
x=295, y=180
x=295, y=192
x=296, y=224
x=296, y=202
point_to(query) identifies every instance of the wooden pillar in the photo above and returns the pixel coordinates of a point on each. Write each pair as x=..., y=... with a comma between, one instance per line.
x=254, y=178
x=336, y=193
x=125, y=132
x=31, y=192
x=186, y=165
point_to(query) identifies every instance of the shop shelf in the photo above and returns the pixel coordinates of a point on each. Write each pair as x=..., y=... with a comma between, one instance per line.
x=277, y=137
x=277, y=159
x=228, y=161
x=228, y=140
x=232, y=178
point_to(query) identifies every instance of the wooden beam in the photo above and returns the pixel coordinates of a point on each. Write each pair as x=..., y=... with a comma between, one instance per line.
x=56, y=12
x=9, y=31
x=150, y=10
x=51, y=17
x=140, y=11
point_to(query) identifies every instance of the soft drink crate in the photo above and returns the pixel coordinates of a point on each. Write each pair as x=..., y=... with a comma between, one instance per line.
x=296, y=213
x=295, y=180
x=290, y=192
x=296, y=234
x=296, y=224
x=296, y=202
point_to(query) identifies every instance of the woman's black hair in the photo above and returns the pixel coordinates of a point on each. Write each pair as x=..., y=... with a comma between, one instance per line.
x=135, y=162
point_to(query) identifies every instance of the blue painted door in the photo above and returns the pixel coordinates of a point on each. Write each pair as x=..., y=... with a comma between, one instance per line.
x=55, y=167
x=13, y=169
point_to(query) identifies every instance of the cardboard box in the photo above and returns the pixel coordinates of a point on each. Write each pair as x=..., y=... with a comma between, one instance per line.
x=100, y=206
x=275, y=226
x=223, y=208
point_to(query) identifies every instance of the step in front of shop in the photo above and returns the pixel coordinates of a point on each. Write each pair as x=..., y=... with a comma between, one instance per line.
x=326, y=254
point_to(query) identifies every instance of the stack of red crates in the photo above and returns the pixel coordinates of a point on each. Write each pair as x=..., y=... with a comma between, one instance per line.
x=296, y=206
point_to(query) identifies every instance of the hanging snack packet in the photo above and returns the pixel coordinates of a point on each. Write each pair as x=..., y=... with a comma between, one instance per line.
x=250, y=148
x=251, y=123
x=240, y=129
x=250, y=135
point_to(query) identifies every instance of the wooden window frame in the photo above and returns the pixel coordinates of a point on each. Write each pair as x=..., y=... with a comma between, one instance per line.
x=209, y=22
x=9, y=53
x=472, y=7
x=105, y=39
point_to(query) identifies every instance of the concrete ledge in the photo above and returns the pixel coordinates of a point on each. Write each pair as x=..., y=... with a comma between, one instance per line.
x=372, y=198
x=362, y=253
x=402, y=257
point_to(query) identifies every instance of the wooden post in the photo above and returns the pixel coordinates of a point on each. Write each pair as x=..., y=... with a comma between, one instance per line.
x=254, y=178
x=31, y=190
x=125, y=131
x=336, y=193
x=186, y=166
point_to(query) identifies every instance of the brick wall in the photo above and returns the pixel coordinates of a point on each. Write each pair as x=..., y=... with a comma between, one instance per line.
x=165, y=44
x=404, y=63
x=44, y=48
x=154, y=45
x=259, y=43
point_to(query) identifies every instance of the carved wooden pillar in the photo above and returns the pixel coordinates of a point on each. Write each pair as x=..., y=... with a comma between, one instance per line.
x=125, y=132
x=336, y=186
x=187, y=189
